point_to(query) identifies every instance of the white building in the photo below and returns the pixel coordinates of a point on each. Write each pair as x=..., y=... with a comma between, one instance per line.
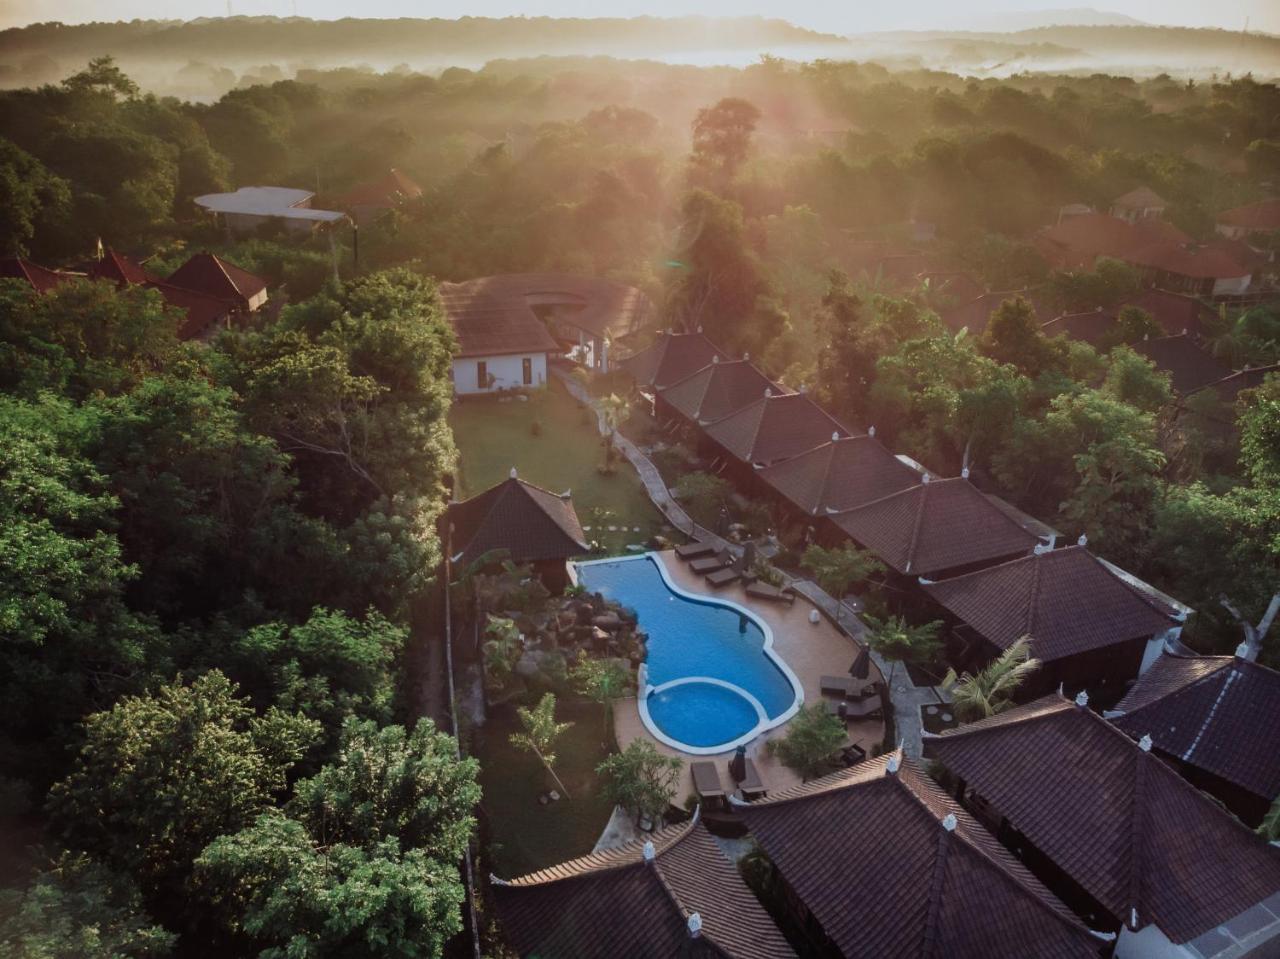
x=499, y=349
x=250, y=207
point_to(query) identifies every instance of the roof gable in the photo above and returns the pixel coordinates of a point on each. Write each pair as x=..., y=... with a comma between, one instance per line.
x=1064, y=599
x=670, y=358
x=213, y=276
x=839, y=475
x=529, y=522
x=774, y=428
x=935, y=526
x=1089, y=326
x=938, y=890
x=1140, y=198
x=1189, y=365
x=1264, y=215
x=41, y=279
x=119, y=269
x=719, y=389
x=589, y=906
x=1217, y=713
x=1114, y=817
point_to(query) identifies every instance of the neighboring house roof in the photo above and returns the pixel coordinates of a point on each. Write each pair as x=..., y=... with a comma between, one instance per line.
x=718, y=390
x=1141, y=198
x=1197, y=263
x=955, y=285
x=1079, y=240
x=1175, y=312
x=500, y=333
x=670, y=358
x=41, y=279
x=935, y=526
x=1264, y=215
x=1066, y=600
x=975, y=314
x=1090, y=326
x=603, y=307
x=890, y=865
x=201, y=311
x=118, y=269
x=1116, y=819
x=280, y=201
x=1230, y=387
x=213, y=276
x=529, y=522
x=839, y=475
x=775, y=428
x=1188, y=364
x=1217, y=713
x=385, y=192
x=616, y=904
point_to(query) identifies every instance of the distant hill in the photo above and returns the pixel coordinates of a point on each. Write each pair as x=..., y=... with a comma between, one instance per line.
x=257, y=40
x=1015, y=20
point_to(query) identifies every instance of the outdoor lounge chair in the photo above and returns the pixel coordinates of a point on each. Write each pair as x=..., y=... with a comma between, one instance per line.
x=836, y=685
x=863, y=709
x=706, y=782
x=866, y=691
x=695, y=550
x=764, y=591
x=853, y=754
x=712, y=563
x=752, y=785
x=730, y=574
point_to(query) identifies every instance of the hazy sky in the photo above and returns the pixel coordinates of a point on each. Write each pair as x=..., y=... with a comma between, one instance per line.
x=849, y=16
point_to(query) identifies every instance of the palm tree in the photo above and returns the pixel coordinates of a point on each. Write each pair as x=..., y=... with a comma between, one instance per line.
x=614, y=409
x=603, y=681
x=540, y=734
x=835, y=570
x=990, y=690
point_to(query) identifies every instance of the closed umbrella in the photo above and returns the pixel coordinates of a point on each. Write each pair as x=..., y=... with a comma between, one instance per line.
x=861, y=667
x=738, y=765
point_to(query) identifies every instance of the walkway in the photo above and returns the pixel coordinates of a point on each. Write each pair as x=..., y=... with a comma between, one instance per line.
x=906, y=696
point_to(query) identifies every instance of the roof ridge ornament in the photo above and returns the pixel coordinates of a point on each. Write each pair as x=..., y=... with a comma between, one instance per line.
x=650, y=854
x=767, y=392
x=835, y=436
x=949, y=822
x=715, y=358
x=871, y=431
x=1083, y=540
x=695, y=925
x=514, y=474
x=892, y=766
x=964, y=473
x=1082, y=699
x=1145, y=743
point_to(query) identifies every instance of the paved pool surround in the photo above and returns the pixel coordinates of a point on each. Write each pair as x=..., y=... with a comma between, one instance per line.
x=698, y=712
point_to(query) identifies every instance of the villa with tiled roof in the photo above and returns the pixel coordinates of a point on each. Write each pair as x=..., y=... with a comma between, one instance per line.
x=669, y=359
x=773, y=428
x=840, y=474
x=716, y=390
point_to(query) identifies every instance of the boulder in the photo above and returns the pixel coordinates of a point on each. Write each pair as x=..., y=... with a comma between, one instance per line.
x=609, y=621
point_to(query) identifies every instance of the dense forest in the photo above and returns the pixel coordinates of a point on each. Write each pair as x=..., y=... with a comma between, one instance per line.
x=211, y=555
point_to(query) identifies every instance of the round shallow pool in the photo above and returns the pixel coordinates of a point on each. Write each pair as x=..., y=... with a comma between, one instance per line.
x=712, y=679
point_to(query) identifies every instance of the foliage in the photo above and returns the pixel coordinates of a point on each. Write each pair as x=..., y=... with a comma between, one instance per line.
x=703, y=495
x=540, y=732
x=722, y=140
x=1132, y=325
x=991, y=690
x=32, y=198
x=1270, y=826
x=501, y=650
x=603, y=681
x=812, y=737
x=894, y=638
x=78, y=910
x=640, y=779
x=839, y=568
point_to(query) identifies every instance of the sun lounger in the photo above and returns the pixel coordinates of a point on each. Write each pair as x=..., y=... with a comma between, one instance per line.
x=706, y=781
x=863, y=709
x=773, y=593
x=752, y=785
x=712, y=563
x=836, y=685
x=866, y=691
x=695, y=550
x=723, y=577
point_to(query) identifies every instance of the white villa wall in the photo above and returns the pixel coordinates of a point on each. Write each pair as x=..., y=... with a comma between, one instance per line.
x=507, y=372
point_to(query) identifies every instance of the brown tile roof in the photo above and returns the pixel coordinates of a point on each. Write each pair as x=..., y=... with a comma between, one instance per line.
x=118, y=269
x=1175, y=312
x=526, y=520
x=869, y=853
x=975, y=314
x=604, y=307
x=935, y=526
x=1064, y=599
x=486, y=330
x=1217, y=713
x=213, y=276
x=670, y=358
x=1139, y=198
x=774, y=428
x=615, y=904
x=41, y=279
x=1197, y=263
x=1189, y=365
x=1264, y=215
x=1078, y=241
x=1089, y=326
x=1230, y=387
x=718, y=389
x=386, y=192
x=839, y=475
x=201, y=313
x=955, y=285
x=1147, y=845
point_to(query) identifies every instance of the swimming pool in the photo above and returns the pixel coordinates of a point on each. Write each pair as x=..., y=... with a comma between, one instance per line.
x=711, y=680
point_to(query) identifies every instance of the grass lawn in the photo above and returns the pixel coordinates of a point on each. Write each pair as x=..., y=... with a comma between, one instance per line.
x=525, y=835
x=493, y=436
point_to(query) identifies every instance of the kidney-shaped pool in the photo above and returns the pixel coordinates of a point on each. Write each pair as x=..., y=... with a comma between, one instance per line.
x=711, y=680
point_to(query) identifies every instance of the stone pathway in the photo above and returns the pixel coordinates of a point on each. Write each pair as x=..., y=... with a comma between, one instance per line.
x=906, y=696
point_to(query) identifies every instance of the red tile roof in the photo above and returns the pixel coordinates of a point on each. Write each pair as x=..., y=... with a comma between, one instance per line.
x=1217, y=713
x=1140, y=198
x=1189, y=365
x=839, y=475
x=203, y=314
x=955, y=285
x=1089, y=326
x=603, y=307
x=1230, y=387
x=935, y=526
x=615, y=904
x=670, y=358
x=719, y=389
x=1264, y=215
x=975, y=314
x=118, y=269
x=486, y=328
x=775, y=428
x=1175, y=312
x=1079, y=240
x=385, y=192
x=529, y=522
x=869, y=852
x=1198, y=263
x=41, y=279
x=213, y=276
x=1066, y=600
x=1143, y=842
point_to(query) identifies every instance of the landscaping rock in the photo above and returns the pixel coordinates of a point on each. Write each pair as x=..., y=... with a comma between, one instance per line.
x=610, y=621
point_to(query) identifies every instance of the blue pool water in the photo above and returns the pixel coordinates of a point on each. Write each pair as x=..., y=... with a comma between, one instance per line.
x=702, y=638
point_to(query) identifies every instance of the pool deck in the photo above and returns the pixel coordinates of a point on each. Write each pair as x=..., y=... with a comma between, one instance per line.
x=811, y=650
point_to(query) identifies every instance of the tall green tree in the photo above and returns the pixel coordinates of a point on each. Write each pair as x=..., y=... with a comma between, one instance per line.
x=722, y=140
x=813, y=736
x=603, y=681
x=838, y=569
x=640, y=779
